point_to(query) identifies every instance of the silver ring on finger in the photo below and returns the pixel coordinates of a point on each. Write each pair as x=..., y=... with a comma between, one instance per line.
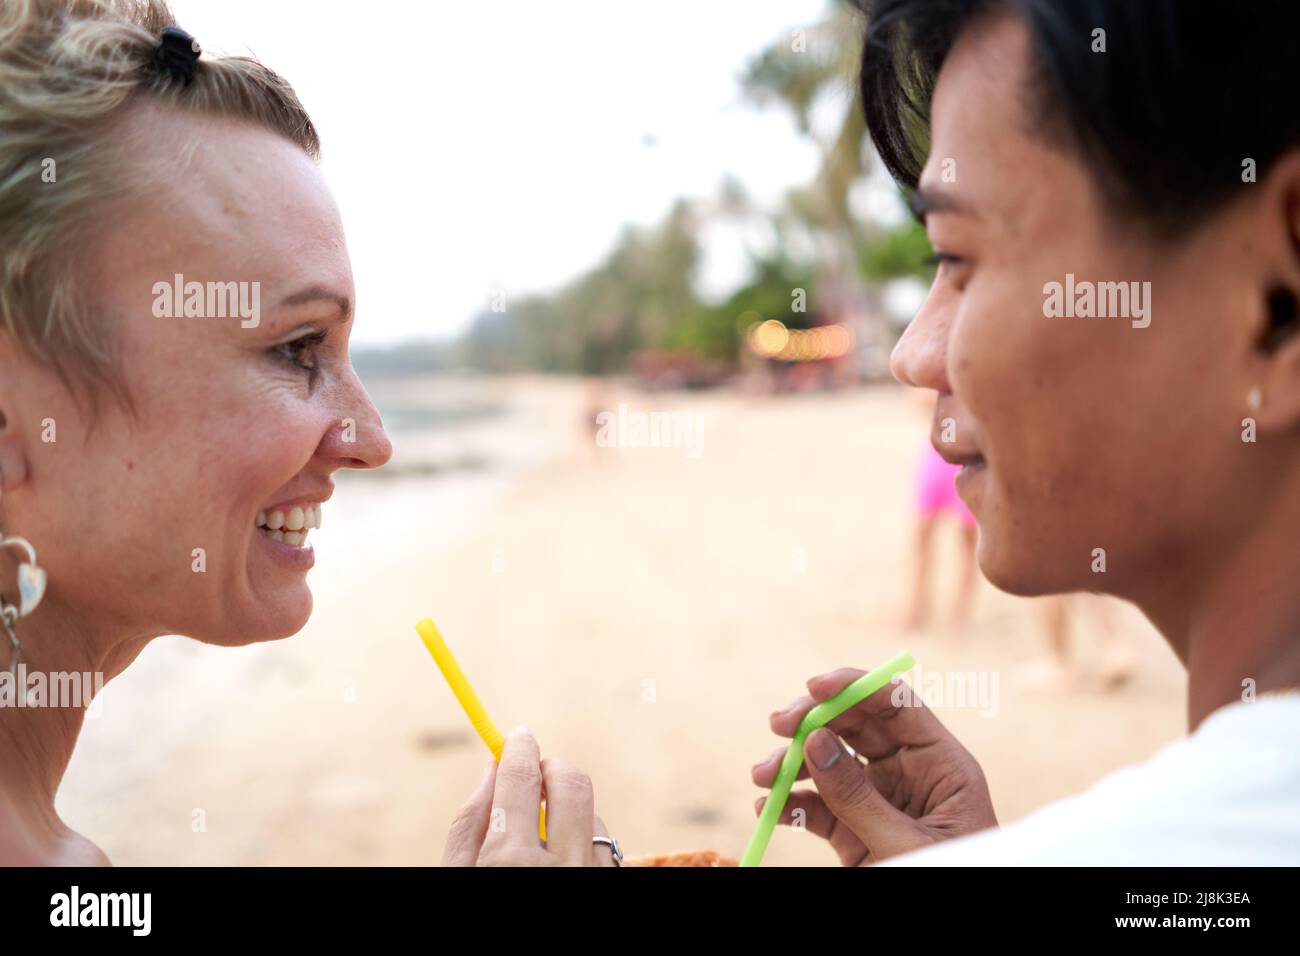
x=613, y=848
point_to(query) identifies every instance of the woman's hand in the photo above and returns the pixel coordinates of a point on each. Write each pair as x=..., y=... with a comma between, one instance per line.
x=498, y=825
x=919, y=785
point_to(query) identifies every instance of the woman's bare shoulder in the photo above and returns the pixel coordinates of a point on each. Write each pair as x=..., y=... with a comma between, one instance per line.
x=76, y=850
x=20, y=846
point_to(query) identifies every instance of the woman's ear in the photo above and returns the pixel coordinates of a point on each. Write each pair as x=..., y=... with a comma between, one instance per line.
x=13, y=458
x=13, y=455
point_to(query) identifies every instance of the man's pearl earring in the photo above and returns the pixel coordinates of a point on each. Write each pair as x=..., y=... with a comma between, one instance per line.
x=1255, y=399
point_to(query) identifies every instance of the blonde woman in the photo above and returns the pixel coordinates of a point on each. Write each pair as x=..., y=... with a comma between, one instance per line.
x=175, y=305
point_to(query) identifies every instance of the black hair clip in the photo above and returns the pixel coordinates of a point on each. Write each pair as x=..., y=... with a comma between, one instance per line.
x=176, y=53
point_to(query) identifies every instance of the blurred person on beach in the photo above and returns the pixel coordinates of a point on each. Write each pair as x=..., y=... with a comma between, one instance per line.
x=936, y=496
x=1058, y=668
x=598, y=401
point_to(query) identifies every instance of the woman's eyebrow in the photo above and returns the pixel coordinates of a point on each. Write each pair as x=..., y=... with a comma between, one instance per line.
x=319, y=293
x=924, y=201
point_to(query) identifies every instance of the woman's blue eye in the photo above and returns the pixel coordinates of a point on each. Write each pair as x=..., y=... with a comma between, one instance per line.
x=300, y=351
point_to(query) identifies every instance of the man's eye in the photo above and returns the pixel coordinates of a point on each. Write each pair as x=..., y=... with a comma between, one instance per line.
x=301, y=351
x=942, y=258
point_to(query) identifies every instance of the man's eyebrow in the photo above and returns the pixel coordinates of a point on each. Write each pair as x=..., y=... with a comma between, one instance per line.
x=922, y=202
x=317, y=293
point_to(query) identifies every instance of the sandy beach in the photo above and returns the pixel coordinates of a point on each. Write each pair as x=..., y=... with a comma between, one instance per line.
x=642, y=610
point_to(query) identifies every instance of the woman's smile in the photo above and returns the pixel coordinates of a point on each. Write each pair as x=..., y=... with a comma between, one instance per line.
x=291, y=523
x=285, y=527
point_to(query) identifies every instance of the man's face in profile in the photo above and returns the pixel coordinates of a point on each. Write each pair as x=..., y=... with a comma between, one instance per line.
x=1073, y=426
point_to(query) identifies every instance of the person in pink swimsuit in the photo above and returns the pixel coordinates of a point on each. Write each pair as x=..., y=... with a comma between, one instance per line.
x=936, y=495
x=937, y=490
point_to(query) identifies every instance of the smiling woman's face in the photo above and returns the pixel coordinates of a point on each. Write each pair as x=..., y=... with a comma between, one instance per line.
x=233, y=421
x=1079, y=433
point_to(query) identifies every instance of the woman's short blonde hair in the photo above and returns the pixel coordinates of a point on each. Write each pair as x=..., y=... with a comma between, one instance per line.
x=68, y=70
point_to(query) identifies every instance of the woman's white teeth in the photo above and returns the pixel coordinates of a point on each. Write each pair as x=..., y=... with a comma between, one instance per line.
x=290, y=528
x=298, y=519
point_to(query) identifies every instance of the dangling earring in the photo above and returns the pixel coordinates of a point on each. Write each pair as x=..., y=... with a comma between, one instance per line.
x=31, y=588
x=1255, y=399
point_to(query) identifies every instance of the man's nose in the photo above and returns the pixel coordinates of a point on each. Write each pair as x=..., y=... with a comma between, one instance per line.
x=920, y=358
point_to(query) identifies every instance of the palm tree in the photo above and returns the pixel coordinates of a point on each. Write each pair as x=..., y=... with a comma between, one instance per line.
x=798, y=72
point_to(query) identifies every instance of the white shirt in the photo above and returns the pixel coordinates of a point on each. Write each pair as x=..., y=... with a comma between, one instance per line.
x=1229, y=794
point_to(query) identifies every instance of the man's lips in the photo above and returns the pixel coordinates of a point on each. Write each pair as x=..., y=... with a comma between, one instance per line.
x=957, y=456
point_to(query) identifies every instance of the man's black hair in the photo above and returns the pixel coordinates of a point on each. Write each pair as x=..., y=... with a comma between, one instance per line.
x=1184, y=93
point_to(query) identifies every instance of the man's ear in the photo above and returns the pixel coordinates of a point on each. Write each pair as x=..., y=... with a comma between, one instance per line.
x=1277, y=343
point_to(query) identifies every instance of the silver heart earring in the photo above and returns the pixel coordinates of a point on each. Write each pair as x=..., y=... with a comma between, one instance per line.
x=31, y=588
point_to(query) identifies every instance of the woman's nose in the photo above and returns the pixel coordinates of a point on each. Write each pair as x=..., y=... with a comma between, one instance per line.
x=358, y=439
x=920, y=358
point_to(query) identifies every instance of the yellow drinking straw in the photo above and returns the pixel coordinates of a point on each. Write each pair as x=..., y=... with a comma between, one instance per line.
x=469, y=701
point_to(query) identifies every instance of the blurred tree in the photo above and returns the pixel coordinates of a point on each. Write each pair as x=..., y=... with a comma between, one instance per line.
x=812, y=74
x=715, y=332
x=800, y=72
x=628, y=302
x=641, y=295
x=897, y=252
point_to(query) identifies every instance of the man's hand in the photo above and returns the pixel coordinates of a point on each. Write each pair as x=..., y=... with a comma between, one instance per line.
x=917, y=787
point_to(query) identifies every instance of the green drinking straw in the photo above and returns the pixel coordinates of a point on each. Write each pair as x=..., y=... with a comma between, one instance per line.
x=819, y=716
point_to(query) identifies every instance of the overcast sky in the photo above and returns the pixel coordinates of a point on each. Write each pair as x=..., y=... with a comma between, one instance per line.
x=504, y=144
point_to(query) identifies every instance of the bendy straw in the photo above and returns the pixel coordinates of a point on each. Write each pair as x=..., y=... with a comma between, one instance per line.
x=821, y=715
x=469, y=701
